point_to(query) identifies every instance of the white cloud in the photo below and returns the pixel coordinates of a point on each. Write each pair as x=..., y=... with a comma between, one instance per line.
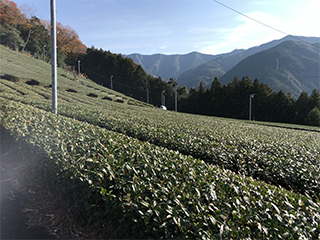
x=248, y=33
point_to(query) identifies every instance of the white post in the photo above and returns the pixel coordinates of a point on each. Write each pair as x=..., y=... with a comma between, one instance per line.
x=176, y=101
x=54, y=55
x=251, y=96
x=163, y=98
x=79, y=71
x=111, y=82
x=44, y=53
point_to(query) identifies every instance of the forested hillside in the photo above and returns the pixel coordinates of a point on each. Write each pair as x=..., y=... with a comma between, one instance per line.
x=225, y=98
x=108, y=160
x=224, y=64
x=291, y=66
x=232, y=101
x=32, y=35
x=170, y=66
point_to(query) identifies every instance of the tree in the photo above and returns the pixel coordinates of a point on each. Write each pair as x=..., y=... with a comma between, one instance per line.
x=261, y=107
x=30, y=27
x=282, y=107
x=10, y=17
x=315, y=99
x=69, y=43
x=10, y=37
x=173, y=82
x=201, y=88
x=313, y=117
x=302, y=108
x=216, y=91
x=182, y=91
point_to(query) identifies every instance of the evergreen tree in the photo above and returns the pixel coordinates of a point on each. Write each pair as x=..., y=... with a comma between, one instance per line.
x=301, y=108
x=315, y=99
x=313, y=117
x=216, y=92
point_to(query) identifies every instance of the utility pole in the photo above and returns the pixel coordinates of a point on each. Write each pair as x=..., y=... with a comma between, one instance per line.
x=251, y=96
x=176, y=101
x=54, y=55
x=163, y=98
x=79, y=70
x=111, y=82
x=44, y=53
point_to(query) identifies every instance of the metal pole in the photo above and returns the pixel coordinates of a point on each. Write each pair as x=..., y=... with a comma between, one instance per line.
x=250, y=99
x=176, y=101
x=250, y=108
x=111, y=82
x=54, y=55
x=44, y=53
x=79, y=71
x=163, y=98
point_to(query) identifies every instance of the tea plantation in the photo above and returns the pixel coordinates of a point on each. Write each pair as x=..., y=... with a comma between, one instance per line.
x=148, y=173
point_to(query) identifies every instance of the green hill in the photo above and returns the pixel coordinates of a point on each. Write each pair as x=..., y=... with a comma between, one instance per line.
x=168, y=66
x=122, y=169
x=33, y=76
x=290, y=66
x=226, y=62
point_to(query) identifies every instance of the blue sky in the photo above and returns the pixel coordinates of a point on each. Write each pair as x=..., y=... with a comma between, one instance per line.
x=180, y=26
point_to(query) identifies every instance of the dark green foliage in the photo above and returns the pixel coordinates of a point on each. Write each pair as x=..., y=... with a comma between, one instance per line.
x=313, y=117
x=128, y=77
x=119, y=101
x=10, y=37
x=232, y=101
x=71, y=90
x=92, y=95
x=10, y=78
x=32, y=82
x=143, y=191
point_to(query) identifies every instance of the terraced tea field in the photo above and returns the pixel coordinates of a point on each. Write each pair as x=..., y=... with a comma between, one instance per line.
x=163, y=174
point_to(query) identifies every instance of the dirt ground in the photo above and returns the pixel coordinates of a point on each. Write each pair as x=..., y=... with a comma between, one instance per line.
x=12, y=209
x=30, y=207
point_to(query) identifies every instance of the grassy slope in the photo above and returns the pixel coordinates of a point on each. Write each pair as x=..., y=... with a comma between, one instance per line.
x=137, y=122
x=27, y=68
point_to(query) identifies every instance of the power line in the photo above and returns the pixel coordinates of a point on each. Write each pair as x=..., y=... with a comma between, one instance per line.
x=266, y=25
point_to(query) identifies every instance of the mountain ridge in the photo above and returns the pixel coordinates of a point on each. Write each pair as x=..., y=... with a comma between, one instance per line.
x=289, y=66
x=228, y=62
x=192, y=68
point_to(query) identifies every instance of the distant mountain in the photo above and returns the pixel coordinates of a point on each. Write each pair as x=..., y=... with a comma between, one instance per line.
x=224, y=62
x=291, y=66
x=167, y=66
x=194, y=67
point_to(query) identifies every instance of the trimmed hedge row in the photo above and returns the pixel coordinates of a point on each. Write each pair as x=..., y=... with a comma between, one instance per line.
x=140, y=190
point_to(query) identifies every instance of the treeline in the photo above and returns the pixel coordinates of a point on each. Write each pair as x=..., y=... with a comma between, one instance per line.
x=32, y=35
x=127, y=77
x=232, y=101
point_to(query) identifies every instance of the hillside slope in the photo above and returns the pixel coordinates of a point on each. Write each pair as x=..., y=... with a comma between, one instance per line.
x=34, y=77
x=167, y=66
x=227, y=62
x=140, y=172
x=290, y=66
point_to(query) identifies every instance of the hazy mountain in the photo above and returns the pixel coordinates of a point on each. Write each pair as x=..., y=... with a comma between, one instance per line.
x=291, y=66
x=167, y=66
x=224, y=62
x=194, y=67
